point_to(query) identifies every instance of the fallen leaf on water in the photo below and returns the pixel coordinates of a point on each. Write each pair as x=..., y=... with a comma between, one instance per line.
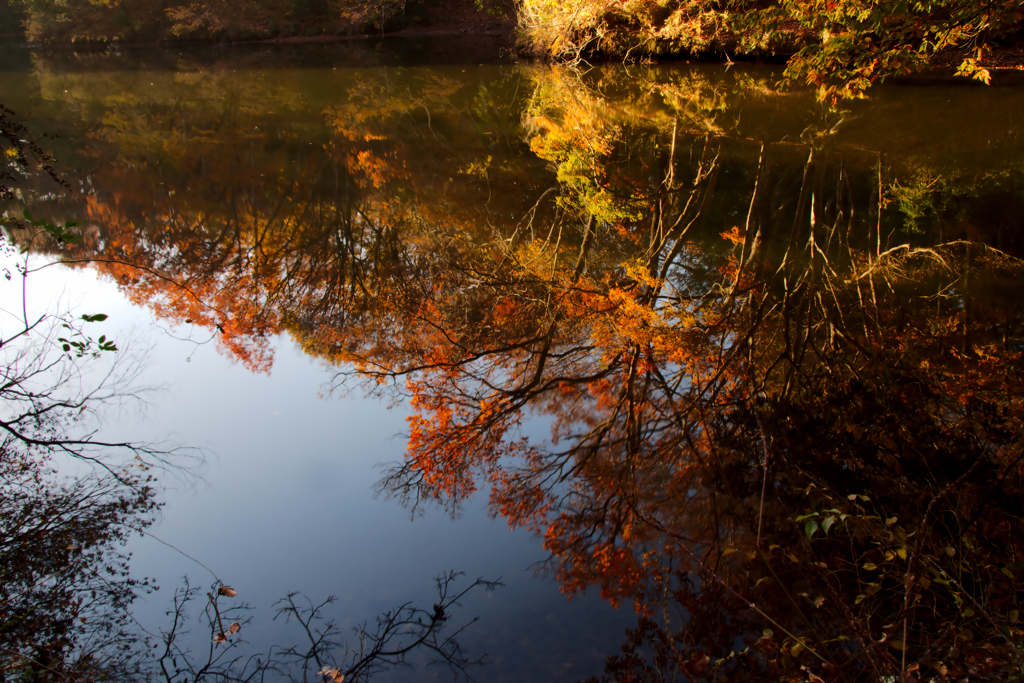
x=227, y=591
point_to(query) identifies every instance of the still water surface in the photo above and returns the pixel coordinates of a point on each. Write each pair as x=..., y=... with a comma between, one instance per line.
x=716, y=344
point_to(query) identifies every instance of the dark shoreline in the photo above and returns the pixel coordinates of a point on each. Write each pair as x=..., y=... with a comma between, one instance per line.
x=488, y=40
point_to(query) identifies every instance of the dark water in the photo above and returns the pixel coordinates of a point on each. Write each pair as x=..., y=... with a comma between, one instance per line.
x=720, y=353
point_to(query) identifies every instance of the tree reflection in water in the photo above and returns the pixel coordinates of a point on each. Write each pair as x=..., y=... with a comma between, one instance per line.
x=67, y=590
x=64, y=583
x=797, y=453
x=783, y=379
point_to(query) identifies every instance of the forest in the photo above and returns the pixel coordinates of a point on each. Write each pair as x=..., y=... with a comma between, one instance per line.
x=839, y=47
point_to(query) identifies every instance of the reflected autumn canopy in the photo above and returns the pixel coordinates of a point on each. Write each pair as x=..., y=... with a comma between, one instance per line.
x=778, y=346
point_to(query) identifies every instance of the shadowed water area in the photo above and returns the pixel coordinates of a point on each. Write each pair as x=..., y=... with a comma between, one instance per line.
x=741, y=371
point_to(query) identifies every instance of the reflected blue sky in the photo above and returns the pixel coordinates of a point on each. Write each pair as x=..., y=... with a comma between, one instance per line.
x=284, y=502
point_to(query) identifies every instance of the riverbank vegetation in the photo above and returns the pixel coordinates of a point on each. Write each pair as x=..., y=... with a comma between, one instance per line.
x=127, y=21
x=840, y=47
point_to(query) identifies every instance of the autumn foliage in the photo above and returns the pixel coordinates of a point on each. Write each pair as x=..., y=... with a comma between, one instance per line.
x=766, y=391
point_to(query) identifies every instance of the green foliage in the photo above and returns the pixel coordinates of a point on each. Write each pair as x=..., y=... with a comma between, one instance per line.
x=63, y=234
x=930, y=199
x=79, y=345
x=855, y=44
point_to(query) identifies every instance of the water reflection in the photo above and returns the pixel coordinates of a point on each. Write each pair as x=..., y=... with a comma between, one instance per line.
x=778, y=346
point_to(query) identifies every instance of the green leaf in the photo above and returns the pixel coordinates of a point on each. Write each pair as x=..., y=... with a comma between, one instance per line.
x=1007, y=572
x=97, y=318
x=810, y=527
x=827, y=523
x=27, y=214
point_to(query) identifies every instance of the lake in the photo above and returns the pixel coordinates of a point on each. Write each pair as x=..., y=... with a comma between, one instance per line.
x=648, y=342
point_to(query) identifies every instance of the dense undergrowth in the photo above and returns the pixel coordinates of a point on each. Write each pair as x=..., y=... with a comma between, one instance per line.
x=839, y=46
